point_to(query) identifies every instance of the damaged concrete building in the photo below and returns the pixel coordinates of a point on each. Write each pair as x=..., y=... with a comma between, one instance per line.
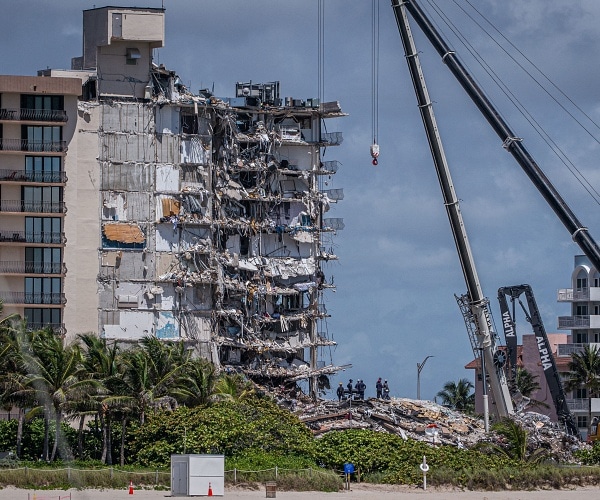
x=190, y=216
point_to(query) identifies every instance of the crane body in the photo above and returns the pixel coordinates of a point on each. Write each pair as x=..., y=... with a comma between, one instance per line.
x=547, y=361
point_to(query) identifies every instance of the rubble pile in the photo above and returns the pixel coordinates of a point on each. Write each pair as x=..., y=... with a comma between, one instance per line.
x=426, y=421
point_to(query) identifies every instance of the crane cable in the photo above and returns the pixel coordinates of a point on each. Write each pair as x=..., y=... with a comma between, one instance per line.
x=375, y=79
x=497, y=80
x=321, y=52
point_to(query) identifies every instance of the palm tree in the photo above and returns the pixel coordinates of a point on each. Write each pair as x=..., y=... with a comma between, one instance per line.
x=457, y=395
x=56, y=377
x=152, y=374
x=102, y=362
x=527, y=384
x=515, y=442
x=584, y=372
x=234, y=387
x=196, y=383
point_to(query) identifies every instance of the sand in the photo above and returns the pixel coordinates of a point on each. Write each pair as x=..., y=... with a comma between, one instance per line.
x=361, y=491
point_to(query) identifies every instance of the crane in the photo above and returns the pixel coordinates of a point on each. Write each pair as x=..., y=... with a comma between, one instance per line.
x=473, y=304
x=533, y=316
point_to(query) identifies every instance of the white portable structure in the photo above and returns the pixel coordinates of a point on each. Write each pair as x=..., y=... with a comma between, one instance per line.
x=195, y=475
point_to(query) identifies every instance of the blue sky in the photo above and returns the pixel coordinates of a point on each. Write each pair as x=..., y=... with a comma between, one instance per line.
x=398, y=269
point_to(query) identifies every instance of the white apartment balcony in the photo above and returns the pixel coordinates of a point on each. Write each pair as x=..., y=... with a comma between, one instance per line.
x=578, y=322
x=579, y=294
x=565, y=350
x=584, y=404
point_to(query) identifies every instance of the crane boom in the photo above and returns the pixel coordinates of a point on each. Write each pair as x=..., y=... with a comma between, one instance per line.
x=477, y=304
x=510, y=141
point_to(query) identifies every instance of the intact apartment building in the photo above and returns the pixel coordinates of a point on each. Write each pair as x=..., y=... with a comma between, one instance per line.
x=132, y=207
x=584, y=326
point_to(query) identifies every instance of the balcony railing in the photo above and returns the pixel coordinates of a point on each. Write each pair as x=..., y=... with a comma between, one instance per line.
x=58, y=328
x=335, y=223
x=332, y=138
x=30, y=176
x=32, y=298
x=578, y=404
x=34, y=115
x=569, y=322
x=334, y=194
x=32, y=206
x=26, y=237
x=34, y=146
x=330, y=166
x=30, y=267
x=570, y=349
x=571, y=295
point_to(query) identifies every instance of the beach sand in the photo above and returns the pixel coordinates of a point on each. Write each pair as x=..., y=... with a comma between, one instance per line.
x=358, y=491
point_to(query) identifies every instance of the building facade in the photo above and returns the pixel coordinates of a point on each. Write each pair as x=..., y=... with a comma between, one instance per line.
x=190, y=216
x=584, y=324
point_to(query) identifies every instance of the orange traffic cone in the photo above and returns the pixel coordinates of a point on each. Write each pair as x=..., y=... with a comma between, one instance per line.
x=209, y=490
x=131, y=487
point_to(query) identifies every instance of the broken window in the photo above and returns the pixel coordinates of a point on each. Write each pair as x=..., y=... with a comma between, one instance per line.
x=128, y=236
x=189, y=124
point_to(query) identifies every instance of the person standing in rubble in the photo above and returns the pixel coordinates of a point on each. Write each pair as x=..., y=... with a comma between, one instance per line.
x=379, y=388
x=362, y=387
x=340, y=392
x=357, y=388
x=349, y=386
x=386, y=390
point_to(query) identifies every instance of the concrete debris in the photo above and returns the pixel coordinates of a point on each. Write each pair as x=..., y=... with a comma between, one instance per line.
x=424, y=421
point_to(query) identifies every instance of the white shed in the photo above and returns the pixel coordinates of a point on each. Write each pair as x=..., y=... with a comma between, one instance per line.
x=195, y=475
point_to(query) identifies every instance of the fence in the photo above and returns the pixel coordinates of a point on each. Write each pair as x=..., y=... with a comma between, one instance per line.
x=112, y=477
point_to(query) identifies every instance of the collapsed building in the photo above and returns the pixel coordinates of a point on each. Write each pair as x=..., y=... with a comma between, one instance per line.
x=190, y=216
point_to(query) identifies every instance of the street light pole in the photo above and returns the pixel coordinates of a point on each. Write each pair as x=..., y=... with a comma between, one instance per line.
x=419, y=368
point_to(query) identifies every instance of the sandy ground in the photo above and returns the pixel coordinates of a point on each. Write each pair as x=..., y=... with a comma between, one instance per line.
x=362, y=491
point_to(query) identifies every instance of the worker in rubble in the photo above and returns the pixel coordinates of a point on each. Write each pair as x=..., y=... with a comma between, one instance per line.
x=386, y=390
x=340, y=392
x=357, y=388
x=379, y=388
x=362, y=387
x=349, y=386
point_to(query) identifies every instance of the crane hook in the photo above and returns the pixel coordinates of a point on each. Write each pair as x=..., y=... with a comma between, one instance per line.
x=375, y=152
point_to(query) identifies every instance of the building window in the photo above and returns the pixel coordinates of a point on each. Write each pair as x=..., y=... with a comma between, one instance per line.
x=40, y=138
x=43, y=291
x=582, y=421
x=581, y=338
x=43, y=168
x=581, y=310
x=43, y=260
x=43, y=229
x=42, y=198
x=41, y=318
x=43, y=102
x=132, y=56
x=581, y=393
x=582, y=283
